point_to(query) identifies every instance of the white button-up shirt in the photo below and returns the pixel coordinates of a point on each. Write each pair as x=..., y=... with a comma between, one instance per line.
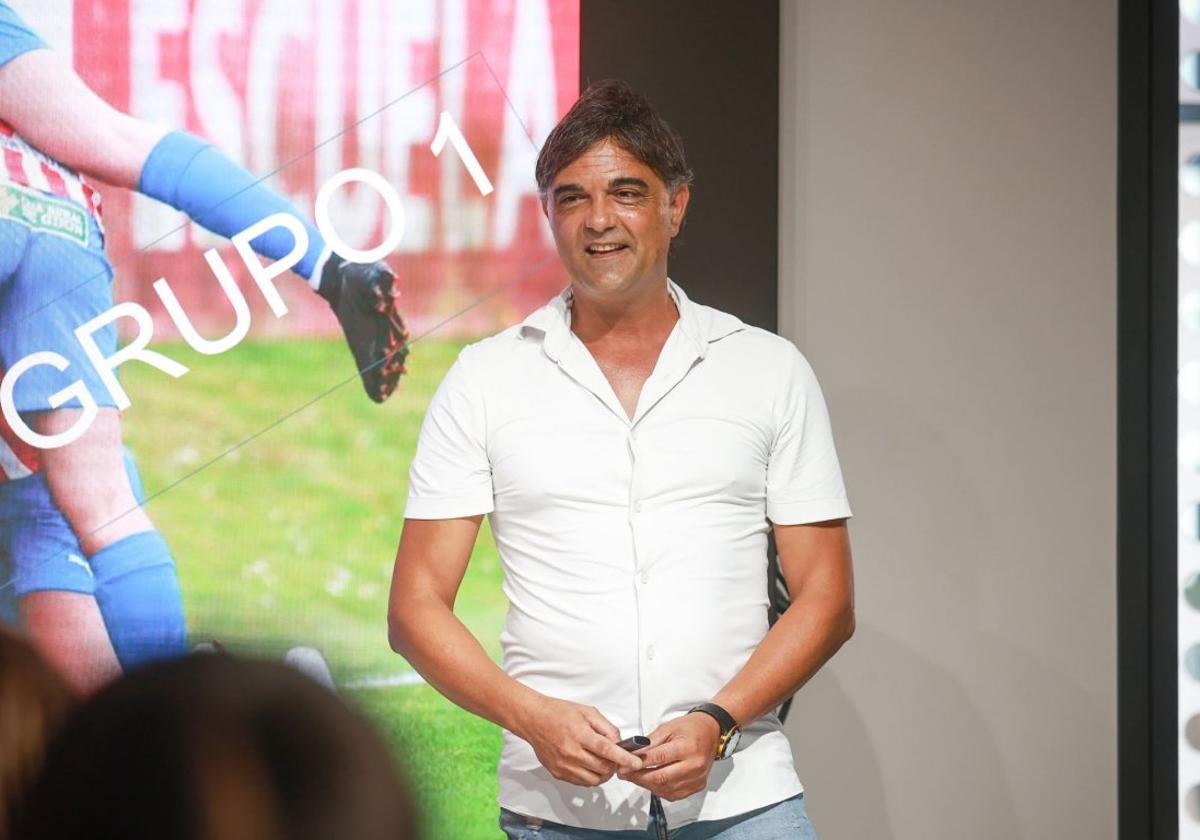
x=634, y=551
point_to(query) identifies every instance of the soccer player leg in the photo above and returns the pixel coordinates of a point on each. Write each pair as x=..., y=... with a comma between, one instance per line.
x=136, y=586
x=43, y=567
x=53, y=585
x=59, y=285
x=189, y=174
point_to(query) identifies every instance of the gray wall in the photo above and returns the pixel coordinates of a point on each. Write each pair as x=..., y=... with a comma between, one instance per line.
x=948, y=265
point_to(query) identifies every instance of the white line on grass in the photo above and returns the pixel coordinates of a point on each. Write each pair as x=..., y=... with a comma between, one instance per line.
x=386, y=681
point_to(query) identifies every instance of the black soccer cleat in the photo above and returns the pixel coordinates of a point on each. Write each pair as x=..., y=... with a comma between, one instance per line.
x=364, y=298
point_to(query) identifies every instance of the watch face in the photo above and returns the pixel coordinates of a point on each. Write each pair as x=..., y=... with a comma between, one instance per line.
x=731, y=743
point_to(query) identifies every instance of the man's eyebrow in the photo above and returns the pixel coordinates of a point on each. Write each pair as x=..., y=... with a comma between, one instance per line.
x=628, y=182
x=566, y=188
x=614, y=184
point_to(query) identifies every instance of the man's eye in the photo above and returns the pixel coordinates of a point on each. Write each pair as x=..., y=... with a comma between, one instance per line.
x=568, y=199
x=627, y=194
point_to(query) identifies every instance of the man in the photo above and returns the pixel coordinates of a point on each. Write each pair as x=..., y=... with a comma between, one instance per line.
x=95, y=580
x=632, y=449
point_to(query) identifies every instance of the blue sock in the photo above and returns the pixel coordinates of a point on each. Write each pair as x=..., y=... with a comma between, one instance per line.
x=138, y=594
x=191, y=175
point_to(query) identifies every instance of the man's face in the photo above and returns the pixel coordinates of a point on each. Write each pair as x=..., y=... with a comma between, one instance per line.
x=613, y=221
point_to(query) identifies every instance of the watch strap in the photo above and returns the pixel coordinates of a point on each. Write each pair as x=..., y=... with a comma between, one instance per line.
x=723, y=718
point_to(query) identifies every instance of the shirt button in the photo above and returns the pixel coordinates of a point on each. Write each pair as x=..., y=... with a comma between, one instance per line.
x=637, y=507
x=650, y=652
x=645, y=578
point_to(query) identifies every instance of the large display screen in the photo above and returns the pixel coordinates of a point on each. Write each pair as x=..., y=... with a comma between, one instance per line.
x=278, y=485
x=1189, y=421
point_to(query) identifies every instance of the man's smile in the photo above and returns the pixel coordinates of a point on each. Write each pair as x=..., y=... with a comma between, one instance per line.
x=604, y=249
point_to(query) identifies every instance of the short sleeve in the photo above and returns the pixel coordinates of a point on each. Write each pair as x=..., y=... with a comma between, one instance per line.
x=451, y=475
x=804, y=479
x=16, y=38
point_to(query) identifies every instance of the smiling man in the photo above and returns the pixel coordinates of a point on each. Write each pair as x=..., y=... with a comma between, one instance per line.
x=632, y=449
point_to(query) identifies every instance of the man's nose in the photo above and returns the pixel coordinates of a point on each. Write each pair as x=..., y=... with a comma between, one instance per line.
x=599, y=216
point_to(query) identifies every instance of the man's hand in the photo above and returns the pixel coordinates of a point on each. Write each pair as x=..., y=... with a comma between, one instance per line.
x=364, y=299
x=680, y=754
x=575, y=743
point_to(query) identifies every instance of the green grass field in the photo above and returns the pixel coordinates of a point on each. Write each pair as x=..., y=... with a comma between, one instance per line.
x=288, y=538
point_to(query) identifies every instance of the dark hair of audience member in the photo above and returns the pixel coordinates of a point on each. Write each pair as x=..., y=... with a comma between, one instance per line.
x=34, y=701
x=214, y=747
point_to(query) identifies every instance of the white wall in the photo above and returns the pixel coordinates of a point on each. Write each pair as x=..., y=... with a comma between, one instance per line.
x=948, y=208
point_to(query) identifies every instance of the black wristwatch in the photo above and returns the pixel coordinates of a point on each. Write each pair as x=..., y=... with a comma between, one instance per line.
x=731, y=733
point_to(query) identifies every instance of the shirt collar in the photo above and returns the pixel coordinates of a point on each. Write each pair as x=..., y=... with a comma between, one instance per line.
x=701, y=324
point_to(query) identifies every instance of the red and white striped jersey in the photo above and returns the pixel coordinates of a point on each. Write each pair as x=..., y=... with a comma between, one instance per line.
x=28, y=167
x=17, y=458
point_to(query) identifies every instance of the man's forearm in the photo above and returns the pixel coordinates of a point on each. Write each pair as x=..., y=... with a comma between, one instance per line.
x=802, y=640
x=439, y=646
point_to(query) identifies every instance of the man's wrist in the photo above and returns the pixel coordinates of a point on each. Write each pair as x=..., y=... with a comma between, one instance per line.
x=734, y=705
x=728, y=729
x=712, y=727
x=522, y=709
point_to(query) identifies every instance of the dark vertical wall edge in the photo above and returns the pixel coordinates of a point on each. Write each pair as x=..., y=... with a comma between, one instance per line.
x=1146, y=419
x=1133, y=365
x=1164, y=436
x=712, y=70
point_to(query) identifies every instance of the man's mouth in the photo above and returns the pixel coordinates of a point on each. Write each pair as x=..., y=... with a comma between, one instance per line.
x=600, y=249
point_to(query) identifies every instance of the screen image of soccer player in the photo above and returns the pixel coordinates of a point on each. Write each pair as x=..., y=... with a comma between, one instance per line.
x=278, y=485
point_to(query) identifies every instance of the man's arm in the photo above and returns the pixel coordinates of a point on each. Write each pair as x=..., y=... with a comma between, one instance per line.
x=574, y=742
x=817, y=566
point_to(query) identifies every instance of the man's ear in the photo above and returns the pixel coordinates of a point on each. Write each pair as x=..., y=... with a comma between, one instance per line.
x=677, y=207
x=545, y=205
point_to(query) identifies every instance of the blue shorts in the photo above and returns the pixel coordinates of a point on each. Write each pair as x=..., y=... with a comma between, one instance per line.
x=49, y=285
x=41, y=550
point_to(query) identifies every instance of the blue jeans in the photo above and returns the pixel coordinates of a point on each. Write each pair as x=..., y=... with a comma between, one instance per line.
x=784, y=820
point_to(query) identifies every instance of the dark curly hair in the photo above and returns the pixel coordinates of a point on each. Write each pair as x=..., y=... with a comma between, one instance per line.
x=612, y=110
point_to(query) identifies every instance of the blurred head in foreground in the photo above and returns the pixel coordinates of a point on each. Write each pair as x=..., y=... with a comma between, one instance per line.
x=34, y=701
x=213, y=747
